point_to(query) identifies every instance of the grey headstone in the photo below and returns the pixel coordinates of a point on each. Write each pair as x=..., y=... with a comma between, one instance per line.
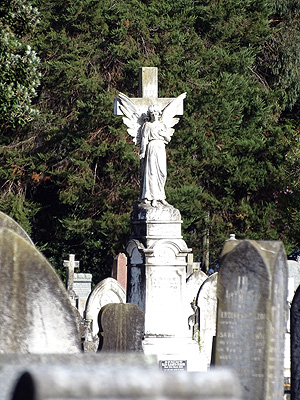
x=82, y=284
x=9, y=223
x=293, y=284
x=193, y=284
x=35, y=312
x=207, y=303
x=82, y=289
x=107, y=291
x=123, y=382
x=122, y=327
x=295, y=346
x=252, y=308
x=294, y=276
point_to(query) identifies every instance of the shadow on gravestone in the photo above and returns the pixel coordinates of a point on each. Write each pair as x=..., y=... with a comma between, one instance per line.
x=121, y=328
x=252, y=310
x=36, y=315
x=9, y=223
x=295, y=346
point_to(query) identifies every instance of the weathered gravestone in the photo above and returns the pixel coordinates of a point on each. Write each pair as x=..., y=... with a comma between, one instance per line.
x=293, y=284
x=121, y=328
x=193, y=283
x=9, y=223
x=36, y=315
x=82, y=289
x=107, y=291
x=113, y=382
x=295, y=346
x=252, y=307
x=207, y=304
x=294, y=275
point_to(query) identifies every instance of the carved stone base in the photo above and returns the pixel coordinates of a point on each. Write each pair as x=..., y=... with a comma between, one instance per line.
x=157, y=260
x=176, y=349
x=146, y=212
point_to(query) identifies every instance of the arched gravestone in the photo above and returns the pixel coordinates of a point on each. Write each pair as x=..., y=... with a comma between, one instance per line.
x=36, y=315
x=193, y=283
x=107, y=291
x=122, y=327
x=294, y=275
x=252, y=310
x=9, y=223
x=207, y=303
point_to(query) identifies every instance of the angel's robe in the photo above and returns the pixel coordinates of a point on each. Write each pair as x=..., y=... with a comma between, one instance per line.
x=153, y=161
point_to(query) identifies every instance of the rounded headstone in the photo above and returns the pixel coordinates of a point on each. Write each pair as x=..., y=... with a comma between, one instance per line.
x=35, y=311
x=9, y=223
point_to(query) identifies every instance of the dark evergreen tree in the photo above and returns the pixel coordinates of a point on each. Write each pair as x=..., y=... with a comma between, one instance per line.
x=19, y=80
x=78, y=171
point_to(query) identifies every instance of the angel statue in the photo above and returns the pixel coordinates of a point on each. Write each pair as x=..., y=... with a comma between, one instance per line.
x=151, y=131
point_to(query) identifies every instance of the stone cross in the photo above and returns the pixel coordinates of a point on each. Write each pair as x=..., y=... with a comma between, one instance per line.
x=70, y=264
x=148, y=93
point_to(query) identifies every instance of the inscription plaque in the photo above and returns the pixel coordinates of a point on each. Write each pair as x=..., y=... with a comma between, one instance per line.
x=165, y=300
x=173, y=365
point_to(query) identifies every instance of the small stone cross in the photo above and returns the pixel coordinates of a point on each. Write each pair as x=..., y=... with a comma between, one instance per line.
x=70, y=264
x=148, y=93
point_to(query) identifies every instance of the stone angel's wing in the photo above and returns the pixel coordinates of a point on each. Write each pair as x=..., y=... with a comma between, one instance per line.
x=133, y=118
x=170, y=111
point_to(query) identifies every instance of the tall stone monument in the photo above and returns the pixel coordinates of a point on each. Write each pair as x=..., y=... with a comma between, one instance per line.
x=252, y=312
x=157, y=254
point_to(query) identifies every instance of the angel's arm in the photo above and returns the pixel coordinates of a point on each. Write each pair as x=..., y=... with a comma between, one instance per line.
x=165, y=133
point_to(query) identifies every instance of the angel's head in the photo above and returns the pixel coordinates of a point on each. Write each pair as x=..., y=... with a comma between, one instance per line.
x=154, y=112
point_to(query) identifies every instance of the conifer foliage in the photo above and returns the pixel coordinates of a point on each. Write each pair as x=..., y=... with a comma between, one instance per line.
x=72, y=173
x=19, y=75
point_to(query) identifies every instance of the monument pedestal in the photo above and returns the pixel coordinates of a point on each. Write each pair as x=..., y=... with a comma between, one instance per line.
x=157, y=263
